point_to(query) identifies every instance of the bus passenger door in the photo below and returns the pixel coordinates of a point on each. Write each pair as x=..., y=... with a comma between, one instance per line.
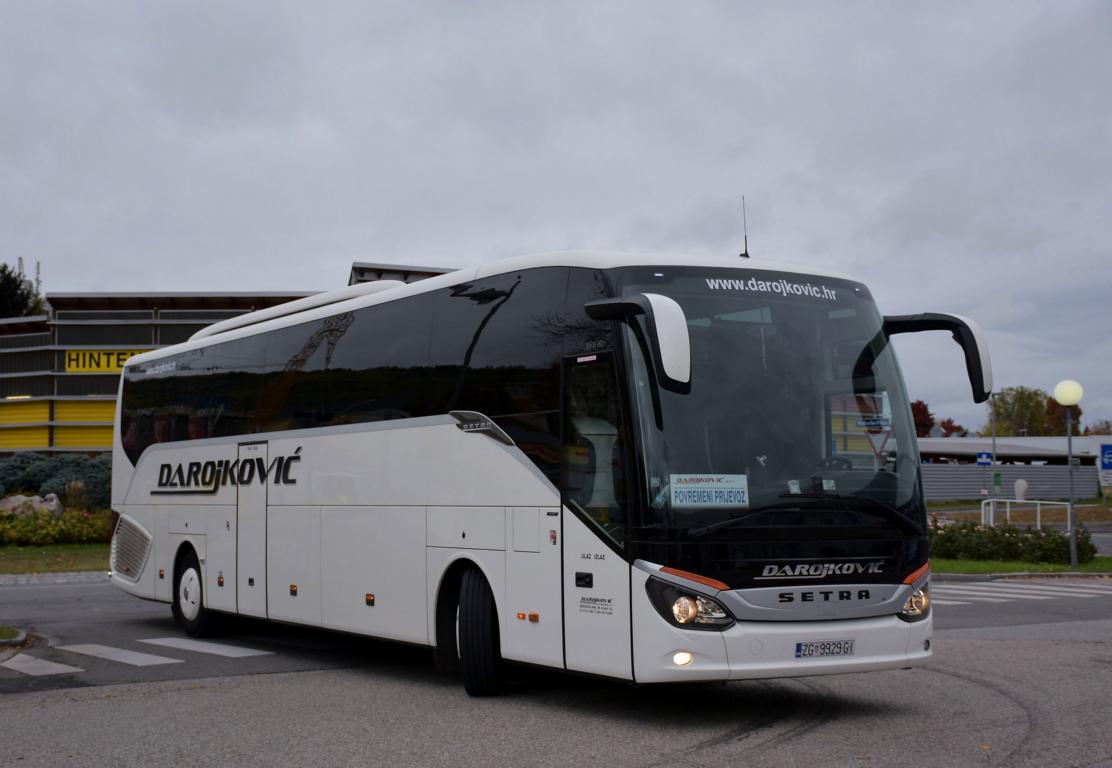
x=251, y=538
x=596, y=574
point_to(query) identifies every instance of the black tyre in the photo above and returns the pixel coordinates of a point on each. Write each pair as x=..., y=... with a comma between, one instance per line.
x=480, y=653
x=189, y=605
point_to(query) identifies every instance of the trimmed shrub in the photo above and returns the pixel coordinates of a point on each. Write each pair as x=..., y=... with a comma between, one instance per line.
x=972, y=541
x=42, y=528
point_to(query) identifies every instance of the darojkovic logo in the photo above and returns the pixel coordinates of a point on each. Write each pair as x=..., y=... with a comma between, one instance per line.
x=819, y=570
x=208, y=477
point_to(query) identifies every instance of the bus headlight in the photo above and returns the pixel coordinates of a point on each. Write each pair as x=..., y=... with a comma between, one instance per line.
x=917, y=606
x=687, y=609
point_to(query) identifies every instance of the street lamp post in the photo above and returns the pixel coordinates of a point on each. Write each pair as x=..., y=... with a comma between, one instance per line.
x=1068, y=393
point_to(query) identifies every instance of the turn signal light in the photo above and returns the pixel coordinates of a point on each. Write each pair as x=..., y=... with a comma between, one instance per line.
x=520, y=616
x=534, y=617
x=220, y=580
x=293, y=590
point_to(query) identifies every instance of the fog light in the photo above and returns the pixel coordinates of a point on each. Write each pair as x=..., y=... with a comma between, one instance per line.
x=682, y=658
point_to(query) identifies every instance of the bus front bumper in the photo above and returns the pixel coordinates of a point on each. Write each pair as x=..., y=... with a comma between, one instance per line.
x=752, y=650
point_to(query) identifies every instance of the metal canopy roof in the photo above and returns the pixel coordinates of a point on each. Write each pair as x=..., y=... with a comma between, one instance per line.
x=172, y=300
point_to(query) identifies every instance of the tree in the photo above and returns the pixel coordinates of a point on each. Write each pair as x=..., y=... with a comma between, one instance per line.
x=18, y=297
x=1019, y=411
x=1056, y=418
x=923, y=417
x=948, y=428
x=1099, y=427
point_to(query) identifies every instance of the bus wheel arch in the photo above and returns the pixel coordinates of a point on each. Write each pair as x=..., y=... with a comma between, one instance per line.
x=446, y=653
x=187, y=600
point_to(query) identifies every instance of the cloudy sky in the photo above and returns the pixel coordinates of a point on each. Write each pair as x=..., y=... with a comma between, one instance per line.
x=954, y=156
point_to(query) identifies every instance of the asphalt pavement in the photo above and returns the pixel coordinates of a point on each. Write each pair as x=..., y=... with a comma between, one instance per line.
x=1019, y=677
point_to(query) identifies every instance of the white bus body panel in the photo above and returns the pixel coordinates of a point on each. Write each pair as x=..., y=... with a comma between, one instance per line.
x=251, y=517
x=359, y=534
x=533, y=587
x=374, y=551
x=596, y=619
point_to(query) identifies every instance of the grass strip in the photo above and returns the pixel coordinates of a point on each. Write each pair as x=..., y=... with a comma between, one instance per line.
x=7, y=633
x=56, y=558
x=1099, y=564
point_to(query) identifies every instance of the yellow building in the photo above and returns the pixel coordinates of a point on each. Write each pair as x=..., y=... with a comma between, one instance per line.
x=60, y=372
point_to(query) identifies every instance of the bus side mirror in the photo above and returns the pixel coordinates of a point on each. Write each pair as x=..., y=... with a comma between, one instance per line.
x=966, y=332
x=667, y=331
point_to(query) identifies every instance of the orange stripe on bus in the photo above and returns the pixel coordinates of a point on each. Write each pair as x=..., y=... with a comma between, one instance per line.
x=915, y=575
x=696, y=577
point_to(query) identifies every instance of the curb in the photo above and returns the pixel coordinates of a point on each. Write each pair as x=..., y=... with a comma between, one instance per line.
x=20, y=636
x=1018, y=575
x=73, y=577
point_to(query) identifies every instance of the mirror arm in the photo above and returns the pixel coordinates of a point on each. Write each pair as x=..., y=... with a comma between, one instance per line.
x=964, y=331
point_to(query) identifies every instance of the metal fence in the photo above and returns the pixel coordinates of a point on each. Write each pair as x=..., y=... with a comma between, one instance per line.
x=944, y=482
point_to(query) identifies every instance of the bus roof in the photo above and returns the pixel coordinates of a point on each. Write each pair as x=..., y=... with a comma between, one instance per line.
x=346, y=300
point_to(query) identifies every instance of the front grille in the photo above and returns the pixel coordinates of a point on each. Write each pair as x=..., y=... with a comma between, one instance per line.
x=130, y=547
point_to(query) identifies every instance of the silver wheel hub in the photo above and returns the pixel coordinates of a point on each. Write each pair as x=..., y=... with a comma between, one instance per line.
x=189, y=594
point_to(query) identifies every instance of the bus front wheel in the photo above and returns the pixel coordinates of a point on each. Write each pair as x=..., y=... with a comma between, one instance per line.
x=189, y=606
x=479, y=650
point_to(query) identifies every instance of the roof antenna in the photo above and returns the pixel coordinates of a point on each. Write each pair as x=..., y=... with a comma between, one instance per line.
x=745, y=229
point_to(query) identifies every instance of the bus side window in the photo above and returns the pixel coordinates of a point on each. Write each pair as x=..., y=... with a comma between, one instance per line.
x=593, y=443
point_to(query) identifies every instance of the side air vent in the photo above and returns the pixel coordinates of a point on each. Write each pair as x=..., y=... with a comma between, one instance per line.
x=130, y=547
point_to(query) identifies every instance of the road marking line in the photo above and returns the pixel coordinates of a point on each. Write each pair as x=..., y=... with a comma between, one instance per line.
x=1041, y=591
x=134, y=658
x=975, y=597
x=29, y=665
x=1100, y=591
x=202, y=646
x=969, y=591
x=936, y=601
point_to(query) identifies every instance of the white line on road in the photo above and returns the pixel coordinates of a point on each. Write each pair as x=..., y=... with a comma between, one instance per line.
x=936, y=601
x=1089, y=589
x=134, y=658
x=987, y=593
x=1033, y=590
x=976, y=597
x=29, y=665
x=202, y=646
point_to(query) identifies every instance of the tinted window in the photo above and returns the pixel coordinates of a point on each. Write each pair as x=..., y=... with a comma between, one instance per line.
x=582, y=334
x=347, y=368
x=378, y=367
x=496, y=350
x=496, y=344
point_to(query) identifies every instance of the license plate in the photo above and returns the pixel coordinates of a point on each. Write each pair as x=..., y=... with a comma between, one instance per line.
x=817, y=649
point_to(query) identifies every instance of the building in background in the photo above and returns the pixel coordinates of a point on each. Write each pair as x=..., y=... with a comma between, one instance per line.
x=60, y=371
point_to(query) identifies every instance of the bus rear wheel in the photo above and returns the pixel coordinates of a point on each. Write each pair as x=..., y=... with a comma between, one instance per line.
x=189, y=605
x=480, y=653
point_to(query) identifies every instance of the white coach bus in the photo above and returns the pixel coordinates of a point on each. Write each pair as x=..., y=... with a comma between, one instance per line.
x=647, y=469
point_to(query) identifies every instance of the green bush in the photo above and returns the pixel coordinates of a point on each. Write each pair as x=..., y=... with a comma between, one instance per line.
x=41, y=528
x=32, y=473
x=972, y=541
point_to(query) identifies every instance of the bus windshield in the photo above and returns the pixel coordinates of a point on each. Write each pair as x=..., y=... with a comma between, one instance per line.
x=796, y=417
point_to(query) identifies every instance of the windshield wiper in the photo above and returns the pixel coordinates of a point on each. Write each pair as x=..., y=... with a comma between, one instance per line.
x=733, y=519
x=866, y=504
x=863, y=503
